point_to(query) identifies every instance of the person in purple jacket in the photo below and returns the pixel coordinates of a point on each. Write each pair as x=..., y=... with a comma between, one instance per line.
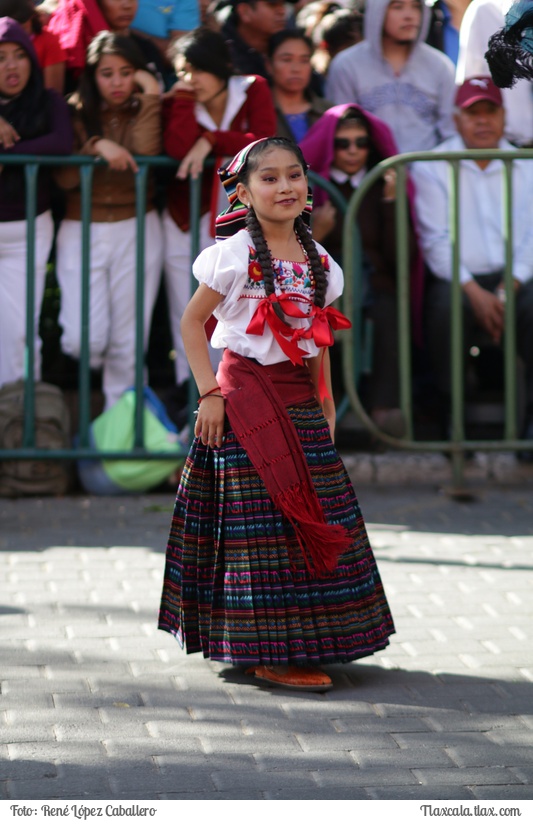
x=342, y=147
x=33, y=121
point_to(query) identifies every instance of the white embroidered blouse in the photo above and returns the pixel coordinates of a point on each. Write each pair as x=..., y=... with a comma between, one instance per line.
x=230, y=267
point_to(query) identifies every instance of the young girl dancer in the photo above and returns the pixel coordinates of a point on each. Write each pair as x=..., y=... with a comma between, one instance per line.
x=268, y=561
x=116, y=114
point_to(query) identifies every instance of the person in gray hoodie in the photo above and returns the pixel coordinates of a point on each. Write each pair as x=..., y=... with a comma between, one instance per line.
x=396, y=76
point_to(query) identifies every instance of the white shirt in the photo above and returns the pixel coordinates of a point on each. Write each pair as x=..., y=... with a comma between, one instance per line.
x=341, y=177
x=481, y=20
x=481, y=202
x=226, y=268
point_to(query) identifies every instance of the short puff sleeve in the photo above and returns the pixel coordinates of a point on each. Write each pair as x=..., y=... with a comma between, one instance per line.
x=222, y=267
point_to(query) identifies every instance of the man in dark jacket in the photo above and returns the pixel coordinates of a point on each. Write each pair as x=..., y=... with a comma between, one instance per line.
x=248, y=29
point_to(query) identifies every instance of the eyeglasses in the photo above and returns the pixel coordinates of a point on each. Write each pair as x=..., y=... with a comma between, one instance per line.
x=358, y=142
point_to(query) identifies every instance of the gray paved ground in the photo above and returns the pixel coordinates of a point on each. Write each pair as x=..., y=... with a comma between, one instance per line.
x=96, y=703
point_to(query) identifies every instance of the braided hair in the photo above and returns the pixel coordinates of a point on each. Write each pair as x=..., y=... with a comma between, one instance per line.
x=253, y=225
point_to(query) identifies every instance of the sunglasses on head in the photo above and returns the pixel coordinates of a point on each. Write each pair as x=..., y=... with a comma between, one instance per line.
x=358, y=142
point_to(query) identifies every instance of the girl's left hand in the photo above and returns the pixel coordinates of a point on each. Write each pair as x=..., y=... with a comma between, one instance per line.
x=118, y=158
x=193, y=162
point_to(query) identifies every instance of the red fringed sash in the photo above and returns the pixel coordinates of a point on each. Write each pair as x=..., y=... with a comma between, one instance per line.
x=256, y=397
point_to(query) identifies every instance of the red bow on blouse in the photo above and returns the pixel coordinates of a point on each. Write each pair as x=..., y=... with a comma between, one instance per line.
x=322, y=321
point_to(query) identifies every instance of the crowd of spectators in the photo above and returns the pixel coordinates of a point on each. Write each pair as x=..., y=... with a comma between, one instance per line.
x=352, y=82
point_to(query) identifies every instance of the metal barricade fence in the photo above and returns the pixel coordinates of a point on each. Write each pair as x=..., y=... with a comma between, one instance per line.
x=457, y=445
x=351, y=340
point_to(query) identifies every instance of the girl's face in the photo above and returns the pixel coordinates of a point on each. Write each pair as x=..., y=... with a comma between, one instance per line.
x=115, y=79
x=352, y=145
x=204, y=84
x=277, y=188
x=291, y=66
x=15, y=69
x=119, y=13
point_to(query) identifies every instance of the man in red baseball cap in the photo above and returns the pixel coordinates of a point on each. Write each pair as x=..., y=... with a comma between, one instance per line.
x=480, y=121
x=479, y=115
x=475, y=89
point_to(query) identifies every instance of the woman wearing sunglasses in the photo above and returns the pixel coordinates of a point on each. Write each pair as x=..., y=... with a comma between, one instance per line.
x=342, y=147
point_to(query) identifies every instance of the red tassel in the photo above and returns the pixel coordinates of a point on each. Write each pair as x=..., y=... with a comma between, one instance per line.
x=321, y=543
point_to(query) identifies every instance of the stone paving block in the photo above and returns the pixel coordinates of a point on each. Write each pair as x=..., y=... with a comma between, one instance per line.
x=77, y=753
x=417, y=792
x=77, y=786
x=97, y=699
x=251, y=744
x=318, y=794
x=256, y=779
x=99, y=671
x=381, y=725
x=79, y=732
x=502, y=793
x=23, y=731
x=206, y=712
x=429, y=756
x=267, y=728
x=33, y=700
x=133, y=748
x=172, y=763
x=346, y=741
x=491, y=755
x=518, y=737
x=474, y=722
x=374, y=777
x=318, y=761
x=178, y=728
x=205, y=795
x=467, y=776
x=22, y=770
x=445, y=739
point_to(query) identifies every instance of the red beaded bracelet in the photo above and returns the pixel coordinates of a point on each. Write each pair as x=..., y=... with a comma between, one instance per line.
x=211, y=391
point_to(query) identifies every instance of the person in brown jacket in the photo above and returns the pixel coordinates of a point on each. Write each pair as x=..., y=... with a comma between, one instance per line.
x=116, y=114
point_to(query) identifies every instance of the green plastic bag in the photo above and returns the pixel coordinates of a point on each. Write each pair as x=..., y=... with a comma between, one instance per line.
x=115, y=430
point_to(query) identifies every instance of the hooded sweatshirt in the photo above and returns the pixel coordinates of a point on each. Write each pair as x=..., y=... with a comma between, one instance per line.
x=417, y=103
x=41, y=118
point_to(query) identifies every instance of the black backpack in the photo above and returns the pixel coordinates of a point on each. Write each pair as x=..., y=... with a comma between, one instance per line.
x=52, y=431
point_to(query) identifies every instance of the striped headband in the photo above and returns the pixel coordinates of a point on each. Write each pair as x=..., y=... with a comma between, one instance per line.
x=232, y=219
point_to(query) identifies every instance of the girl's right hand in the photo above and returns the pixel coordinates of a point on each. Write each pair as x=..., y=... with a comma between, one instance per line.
x=8, y=135
x=146, y=82
x=209, y=425
x=118, y=158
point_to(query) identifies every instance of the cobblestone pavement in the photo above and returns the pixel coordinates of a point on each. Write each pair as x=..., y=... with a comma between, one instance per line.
x=96, y=703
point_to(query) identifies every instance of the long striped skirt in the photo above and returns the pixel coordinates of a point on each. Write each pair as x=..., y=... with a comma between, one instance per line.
x=234, y=588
